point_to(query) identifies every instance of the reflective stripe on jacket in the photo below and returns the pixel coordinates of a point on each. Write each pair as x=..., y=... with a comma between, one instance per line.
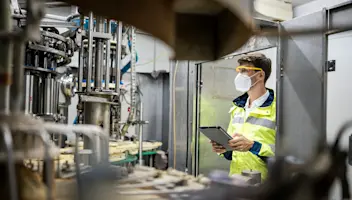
x=259, y=126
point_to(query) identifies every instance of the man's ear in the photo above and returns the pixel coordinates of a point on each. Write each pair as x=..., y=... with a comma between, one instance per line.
x=262, y=74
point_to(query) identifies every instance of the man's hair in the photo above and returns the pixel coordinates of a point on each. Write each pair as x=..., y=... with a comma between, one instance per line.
x=258, y=60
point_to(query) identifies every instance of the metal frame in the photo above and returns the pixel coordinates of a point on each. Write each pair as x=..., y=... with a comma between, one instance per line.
x=196, y=134
x=333, y=18
x=333, y=21
x=279, y=75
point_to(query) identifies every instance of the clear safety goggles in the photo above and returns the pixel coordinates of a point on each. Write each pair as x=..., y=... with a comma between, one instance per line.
x=245, y=69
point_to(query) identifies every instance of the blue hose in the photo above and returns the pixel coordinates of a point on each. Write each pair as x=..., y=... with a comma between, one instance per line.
x=128, y=66
x=76, y=120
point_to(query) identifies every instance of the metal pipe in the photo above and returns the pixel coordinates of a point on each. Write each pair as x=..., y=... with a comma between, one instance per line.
x=29, y=93
x=45, y=65
x=47, y=95
x=6, y=57
x=56, y=97
x=97, y=114
x=18, y=77
x=118, y=57
x=53, y=96
x=140, y=154
x=107, y=58
x=36, y=60
x=81, y=60
x=99, y=54
x=90, y=51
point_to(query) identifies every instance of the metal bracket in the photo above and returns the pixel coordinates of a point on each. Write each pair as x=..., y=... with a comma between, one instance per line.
x=104, y=36
x=331, y=66
x=200, y=84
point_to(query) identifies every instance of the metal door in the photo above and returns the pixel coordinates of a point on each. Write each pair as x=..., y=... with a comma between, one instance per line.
x=339, y=94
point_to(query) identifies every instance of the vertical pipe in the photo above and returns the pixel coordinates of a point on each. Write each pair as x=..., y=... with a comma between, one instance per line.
x=81, y=61
x=45, y=61
x=90, y=52
x=28, y=93
x=35, y=94
x=118, y=57
x=36, y=60
x=6, y=57
x=58, y=100
x=99, y=46
x=18, y=77
x=31, y=93
x=47, y=95
x=53, y=97
x=140, y=154
x=53, y=64
x=107, y=57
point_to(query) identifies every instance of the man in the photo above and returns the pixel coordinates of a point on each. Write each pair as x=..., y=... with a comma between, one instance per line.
x=253, y=117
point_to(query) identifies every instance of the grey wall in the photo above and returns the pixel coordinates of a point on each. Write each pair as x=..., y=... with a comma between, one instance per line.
x=155, y=98
x=314, y=6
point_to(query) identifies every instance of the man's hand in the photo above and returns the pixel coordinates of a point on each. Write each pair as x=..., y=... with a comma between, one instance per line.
x=217, y=148
x=240, y=143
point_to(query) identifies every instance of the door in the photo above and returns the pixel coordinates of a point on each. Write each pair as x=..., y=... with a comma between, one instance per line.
x=339, y=94
x=217, y=94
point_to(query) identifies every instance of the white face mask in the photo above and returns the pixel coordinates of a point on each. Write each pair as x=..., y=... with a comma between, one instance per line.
x=243, y=82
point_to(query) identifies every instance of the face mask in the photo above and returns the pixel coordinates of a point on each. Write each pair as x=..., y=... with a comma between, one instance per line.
x=243, y=82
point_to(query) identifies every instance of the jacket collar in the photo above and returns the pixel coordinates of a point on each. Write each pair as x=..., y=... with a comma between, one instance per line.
x=241, y=100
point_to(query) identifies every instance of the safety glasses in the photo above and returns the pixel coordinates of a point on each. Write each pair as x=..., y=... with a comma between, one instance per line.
x=244, y=69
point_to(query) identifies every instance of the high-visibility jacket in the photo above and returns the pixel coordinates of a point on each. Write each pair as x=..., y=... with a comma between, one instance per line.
x=259, y=126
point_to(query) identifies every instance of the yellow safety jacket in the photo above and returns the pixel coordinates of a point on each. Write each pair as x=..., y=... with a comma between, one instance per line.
x=259, y=126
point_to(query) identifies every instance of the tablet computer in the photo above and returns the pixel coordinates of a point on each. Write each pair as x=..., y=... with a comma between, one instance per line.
x=217, y=134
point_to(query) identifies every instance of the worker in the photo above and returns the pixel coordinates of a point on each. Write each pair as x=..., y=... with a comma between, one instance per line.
x=253, y=117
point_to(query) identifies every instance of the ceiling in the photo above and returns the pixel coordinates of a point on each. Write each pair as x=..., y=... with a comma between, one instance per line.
x=300, y=2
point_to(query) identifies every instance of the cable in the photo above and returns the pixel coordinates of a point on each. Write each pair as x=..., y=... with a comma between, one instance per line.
x=153, y=60
x=174, y=111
